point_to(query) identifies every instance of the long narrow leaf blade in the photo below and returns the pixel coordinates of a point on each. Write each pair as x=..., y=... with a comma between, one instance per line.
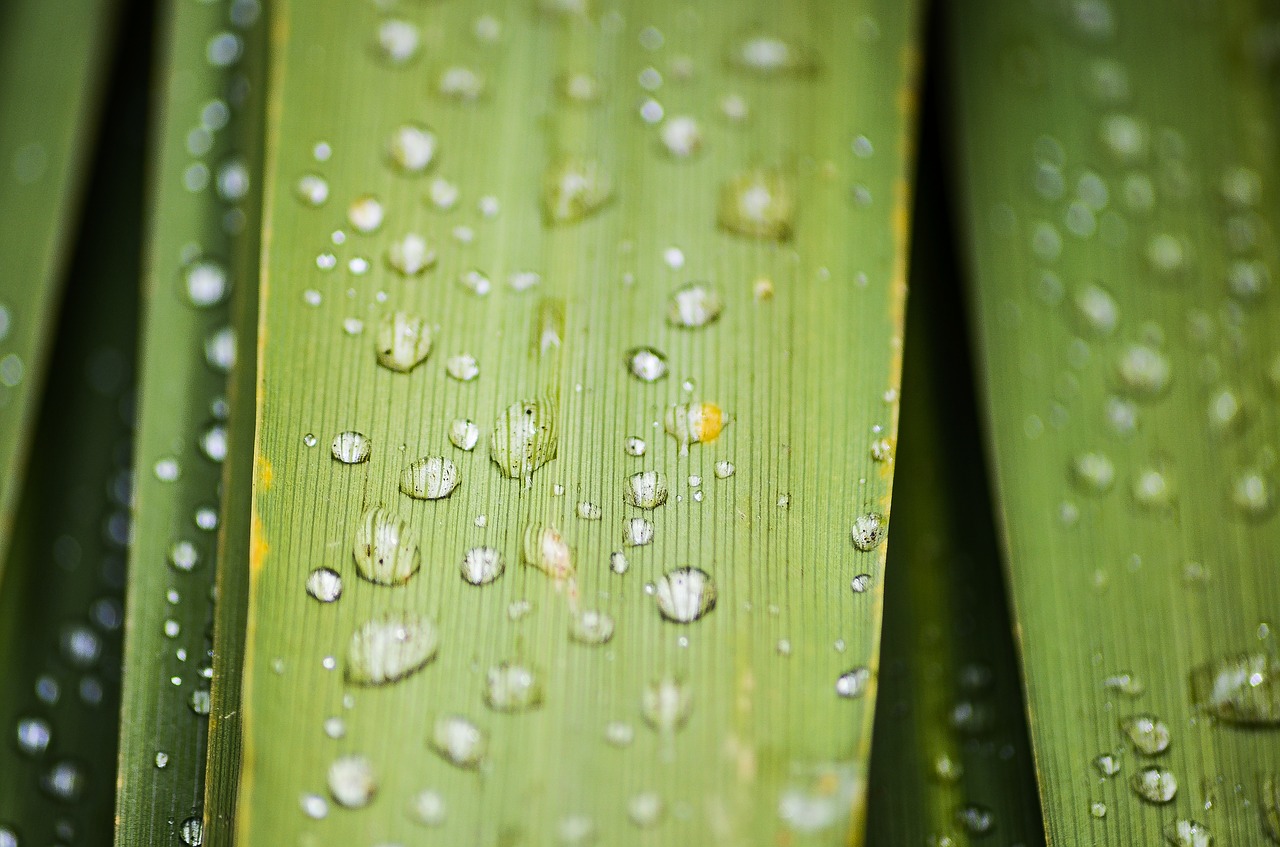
x=536, y=107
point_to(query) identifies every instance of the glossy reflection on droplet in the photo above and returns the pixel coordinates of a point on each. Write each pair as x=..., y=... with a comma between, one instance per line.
x=390, y=648
x=868, y=531
x=351, y=447
x=1154, y=785
x=646, y=364
x=685, y=594
x=352, y=782
x=482, y=565
x=464, y=434
x=694, y=305
x=385, y=551
x=403, y=341
x=645, y=490
x=694, y=423
x=525, y=437
x=429, y=478
x=1147, y=733
x=324, y=585
x=758, y=203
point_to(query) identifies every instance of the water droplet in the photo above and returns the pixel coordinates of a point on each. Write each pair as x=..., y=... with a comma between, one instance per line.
x=619, y=734
x=1187, y=833
x=365, y=214
x=412, y=148
x=512, y=687
x=200, y=702
x=324, y=584
x=207, y=283
x=314, y=806
x=391, y=647
x=404, y=341
x=385, y=551
x=1153, y=489
x=458, y=82
x=1242, y=689
x=1107, y=764
x=1252, y=494
x=34, y=735
x=645, y=809
x=1248, y=280
x=868, y=531
x=1098, y=809
x=352, y=782
x=685, y=594
x=1143, y=371
x=618, y=562
x=637, y=532
x=646, y=364
x=213, y=442
x=184, y=556
x=694, y=305
x=634, y=446
x=579, y=87
x=645, y=490
x=694, y=423
x=523, y=280
x=1148, y=733
x=398, y=40
x=64, y=781
x=427, y=807
x=591, y=627
x=192, y=832
x=464, y=434
x=312, y=189
x=1125, y=137
x=545, y=549
x=462, y=367
x=429, y=478
x=853, y=683
x=574, y=189
x=666, y=704
x=1126, y=684
x=976, y=820
x=410, y=255
x=589, y=511
x=1092, y=472
x=768, y=55
x=758, y=203
x=681, y=136
x=459, y=741
x=482, y=565
x=476, y=281
x=310, y=440
x=443, y=194
x=1155, y=785
x=524, y=439
x=1097, y=309
x=860, y=583
x=724, y=469
x=351, y=447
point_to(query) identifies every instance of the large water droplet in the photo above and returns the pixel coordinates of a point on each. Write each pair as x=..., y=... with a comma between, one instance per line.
x=545, y=548
x=524, y=438
x=1242, y=689
x=685, y=594
x=868, y=531
x=191, y=832
x=352, y=782
x=645, y=490
x=324, y=584
x=1155, y=785
x=512, y=687
x=573, y=189
x=391, y=647
x=758, y=203
x=429, y=478
x=694, y=423
x=482, y=565
x=385, y=551
x=1187, y=833
x=694, y=305
x=459, y=741
x=403, y=341
x=351, y=447
x=462, y=367
x=1149, y=734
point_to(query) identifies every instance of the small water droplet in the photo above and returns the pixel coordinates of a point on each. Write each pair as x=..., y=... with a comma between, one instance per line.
x=324, y=584
x=694, y=423
x=427, y=807
x=646, y=364
x=1154, y=785
x=310, y=440
x=314, y=806
x=459, y=741
x=398, y=40
x=637, y=532
x=868, y=531
x=724, y=469
x=412, y=148
x=1187, y=833
x=685, y=594
x=523, y=280
x=312, y=190
x=545, y=549
x=1098, y=809
x=384, y=550
x=645, y=490
x=618, y=562
x=666, y=704
x=634, y=446
x=512, y=687
x=589, y=511
x=207, y=283
x=1092, y=472
x=410, y=255
x=391, y=647
x=619, y=734
x=351, y=447
x=34, y=736
x=579, y=87
x=200, y=702
x=1252, y=494
x=860, y=583
x=1148, y=734
x=852, y=684
x=524, y=439
x=443, y=194
x=1107, y=764
x=482, y=565
x=976, y=820
x=403, y=342
x=681, y=136
x=460, y=83
x=429, y=478
x=767, y=55
x=645, y=809
x=574, y=189
x=694, y=305
x=758, y=203
x=1143, y=371
x=352, y=782
x=591, y=627
x=365, y=214
x=184, y=556
x=462, y=367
